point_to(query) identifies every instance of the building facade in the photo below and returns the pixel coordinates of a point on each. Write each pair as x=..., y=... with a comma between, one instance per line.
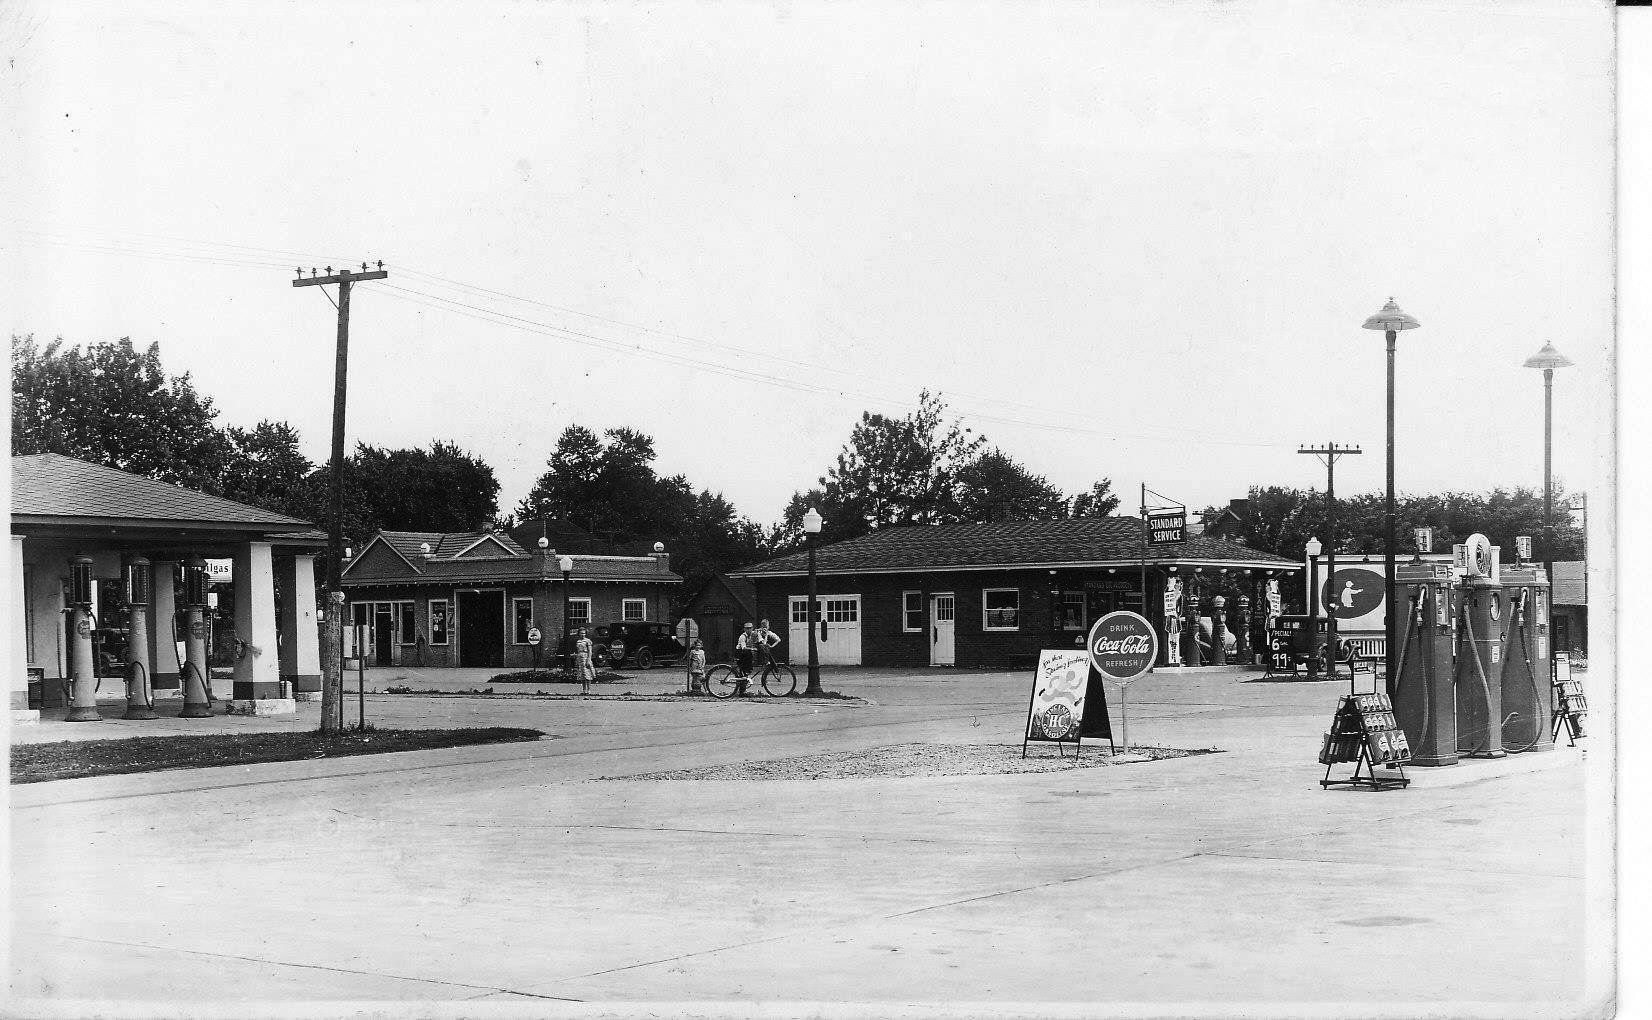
x=998, y=594
x=476, y=599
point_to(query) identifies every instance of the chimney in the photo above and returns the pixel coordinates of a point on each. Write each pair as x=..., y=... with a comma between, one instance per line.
x=662, y=559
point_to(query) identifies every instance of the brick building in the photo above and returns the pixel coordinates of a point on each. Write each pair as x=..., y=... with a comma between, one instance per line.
x=996, y=594
x=472, y=598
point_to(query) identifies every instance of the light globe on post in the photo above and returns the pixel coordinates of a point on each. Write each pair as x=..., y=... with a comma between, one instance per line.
x=1391, y=320
x=1548, y=359
x=812, y=523
x=1313, y=548
x=565, y=564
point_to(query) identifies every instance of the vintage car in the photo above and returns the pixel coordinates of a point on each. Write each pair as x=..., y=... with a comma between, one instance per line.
x=636, y=644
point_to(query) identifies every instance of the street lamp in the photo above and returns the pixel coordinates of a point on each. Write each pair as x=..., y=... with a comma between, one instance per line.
x=1390, y=320
x=566, y=565
x=811, y=531
x=1548, y=359
x=1312, y=548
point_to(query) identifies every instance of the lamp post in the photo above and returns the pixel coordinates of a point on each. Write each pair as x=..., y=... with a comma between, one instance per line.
x=1390, y=320
x=566, y=565
x=1548, y=359
x=811, y=532
x=1312, y=548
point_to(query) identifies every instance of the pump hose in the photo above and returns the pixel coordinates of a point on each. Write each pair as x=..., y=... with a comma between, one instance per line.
x=1538, y=722
x=1405, y=647
x=97, y=674
x=149, y=695
x=1480, y=672
x=186, y=665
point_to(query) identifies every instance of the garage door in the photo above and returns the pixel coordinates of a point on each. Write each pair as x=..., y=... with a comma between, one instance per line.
x=838, y=643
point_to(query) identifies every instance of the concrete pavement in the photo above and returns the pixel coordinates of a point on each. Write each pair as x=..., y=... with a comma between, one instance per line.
x=1210, y=884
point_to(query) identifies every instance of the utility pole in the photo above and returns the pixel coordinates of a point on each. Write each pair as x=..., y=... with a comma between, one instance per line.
x=1329, y=454
x=332, y=645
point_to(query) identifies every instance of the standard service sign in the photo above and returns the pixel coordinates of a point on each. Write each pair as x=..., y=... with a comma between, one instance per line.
x=1123, y=646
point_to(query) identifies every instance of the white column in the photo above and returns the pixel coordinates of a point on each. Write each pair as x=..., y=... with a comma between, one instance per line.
x=300, y=640
x=18, y=660
x=164, y=664
x=257, y=689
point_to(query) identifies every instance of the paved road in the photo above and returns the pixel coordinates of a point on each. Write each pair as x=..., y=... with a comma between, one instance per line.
x=1207, y=883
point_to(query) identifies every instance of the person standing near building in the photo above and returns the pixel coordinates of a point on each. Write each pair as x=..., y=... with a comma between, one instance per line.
x=584, y=671
x=766, y=640
x=696, y=667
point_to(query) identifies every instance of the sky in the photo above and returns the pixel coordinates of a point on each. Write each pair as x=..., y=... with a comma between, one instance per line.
x=1124, y=240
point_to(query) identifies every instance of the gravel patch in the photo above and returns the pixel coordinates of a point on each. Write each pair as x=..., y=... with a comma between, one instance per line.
x=911, y=761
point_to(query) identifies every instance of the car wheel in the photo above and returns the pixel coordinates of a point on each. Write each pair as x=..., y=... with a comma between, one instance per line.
x=645, y=658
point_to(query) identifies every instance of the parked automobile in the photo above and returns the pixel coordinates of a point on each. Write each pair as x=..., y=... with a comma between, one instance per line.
x=637, y=644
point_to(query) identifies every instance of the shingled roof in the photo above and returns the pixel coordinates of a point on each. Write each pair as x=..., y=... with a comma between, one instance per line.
x=51, y=488
x=1078, y=541
x=464, y=557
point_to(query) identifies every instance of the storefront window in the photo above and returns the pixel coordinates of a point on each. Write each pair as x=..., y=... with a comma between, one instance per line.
x=912, y=610
x=521, y=620
x=1072, y=610
x=438, y=621
x=1001, y=609
x=407, y=632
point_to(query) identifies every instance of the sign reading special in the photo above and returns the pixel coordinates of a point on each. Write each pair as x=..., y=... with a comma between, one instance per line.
x=1057, y=708
x=1123, y=646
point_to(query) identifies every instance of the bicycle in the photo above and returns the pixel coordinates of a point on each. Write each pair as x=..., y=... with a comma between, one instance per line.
x=777, y=679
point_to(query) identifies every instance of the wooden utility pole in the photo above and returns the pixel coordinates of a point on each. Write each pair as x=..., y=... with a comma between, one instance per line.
x=332, y=644
x=1329, y=454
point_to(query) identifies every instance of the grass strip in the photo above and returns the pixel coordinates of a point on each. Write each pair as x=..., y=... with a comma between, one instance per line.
x=75, y=759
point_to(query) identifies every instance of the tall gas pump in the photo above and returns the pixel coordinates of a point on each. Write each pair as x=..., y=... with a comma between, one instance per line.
x=1481, y=606
x=1424, y=701
x=197, y=686
x=1525, y=669
x=140, y=697
x=83, y=679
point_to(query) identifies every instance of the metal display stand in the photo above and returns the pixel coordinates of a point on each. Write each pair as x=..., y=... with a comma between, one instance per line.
x=1570, y=707
x=1365, y=732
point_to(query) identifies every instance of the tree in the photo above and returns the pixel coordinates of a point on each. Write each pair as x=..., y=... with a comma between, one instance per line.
x=112, y=405
x=1100, y=501
x=996, y=487
x=441, y=488
x=265, y=467
x=892, y=471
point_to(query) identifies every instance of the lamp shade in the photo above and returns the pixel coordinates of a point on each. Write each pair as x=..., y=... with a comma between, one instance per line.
x=565, y=564
x=1548, y=357
x=1312, y=547
x=812, y=522
x=1390, y=317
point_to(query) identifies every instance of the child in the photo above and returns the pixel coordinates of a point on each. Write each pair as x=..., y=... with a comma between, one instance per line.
x=696, y=666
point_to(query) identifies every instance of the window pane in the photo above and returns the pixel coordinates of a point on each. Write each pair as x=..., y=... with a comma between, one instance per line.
x=1072, y=610
x=523, y=609
x=579, y=611
x=633, y=610
x=800, y=611
x=1003, y=609
x=409, y=631
x=438, y=623
x=913, y=610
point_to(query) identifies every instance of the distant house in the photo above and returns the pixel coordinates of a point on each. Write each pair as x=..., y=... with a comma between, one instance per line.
x=1569, y=606
x=995, y=594
x=722, y=607
x=474, y=598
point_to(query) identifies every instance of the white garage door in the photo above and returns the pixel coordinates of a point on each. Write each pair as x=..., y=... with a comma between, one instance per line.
x=838, y=642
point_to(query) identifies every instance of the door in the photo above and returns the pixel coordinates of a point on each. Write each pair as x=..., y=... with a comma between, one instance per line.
x=943, y=610
x=384, y=635
x=838, y=639
x=482, y=628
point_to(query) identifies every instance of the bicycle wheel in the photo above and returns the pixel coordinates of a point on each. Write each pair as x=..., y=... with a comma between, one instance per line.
x=779, y=680
x=721, y=682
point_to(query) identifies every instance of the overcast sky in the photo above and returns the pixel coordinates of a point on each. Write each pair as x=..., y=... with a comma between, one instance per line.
x=1126, y=240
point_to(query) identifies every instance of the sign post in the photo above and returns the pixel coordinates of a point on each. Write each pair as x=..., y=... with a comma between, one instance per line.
x=1123, y=647
x=534, y=637
x=687, y=631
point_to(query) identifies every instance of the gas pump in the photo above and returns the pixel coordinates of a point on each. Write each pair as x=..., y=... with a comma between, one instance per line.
x=1424, y=700
x=1479, y=655
x=83, y=680
x=140, y=699
x=196, y=680
x=1525, y=651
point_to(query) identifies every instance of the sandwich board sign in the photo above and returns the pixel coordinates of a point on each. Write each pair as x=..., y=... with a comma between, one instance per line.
x=1066, y=703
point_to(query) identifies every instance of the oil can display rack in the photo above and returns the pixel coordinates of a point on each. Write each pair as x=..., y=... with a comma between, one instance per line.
x=1365, y=732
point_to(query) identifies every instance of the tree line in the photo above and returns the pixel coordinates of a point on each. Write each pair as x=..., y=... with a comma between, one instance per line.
x=113, y=404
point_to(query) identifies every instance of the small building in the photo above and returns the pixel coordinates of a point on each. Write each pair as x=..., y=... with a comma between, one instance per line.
x=427, y=598
x=722, y=607
x=1569, y=607
x=996, y=594
x=64, y=508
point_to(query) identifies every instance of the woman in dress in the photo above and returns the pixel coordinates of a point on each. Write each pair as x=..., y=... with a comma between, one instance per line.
x=582, y=659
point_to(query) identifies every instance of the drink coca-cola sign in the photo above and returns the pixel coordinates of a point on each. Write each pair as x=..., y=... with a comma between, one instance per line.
x=1123, y=645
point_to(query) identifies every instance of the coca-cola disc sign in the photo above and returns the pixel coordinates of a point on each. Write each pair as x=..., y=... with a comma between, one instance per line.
x=1123, y=645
